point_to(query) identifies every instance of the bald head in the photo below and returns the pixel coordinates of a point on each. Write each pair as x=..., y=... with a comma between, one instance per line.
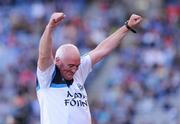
x=67, y=59
x=67, y=50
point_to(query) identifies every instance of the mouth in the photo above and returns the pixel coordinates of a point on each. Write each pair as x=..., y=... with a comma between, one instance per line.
x=70, y=74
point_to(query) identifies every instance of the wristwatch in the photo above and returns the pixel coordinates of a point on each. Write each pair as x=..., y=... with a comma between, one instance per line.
x=128, y=27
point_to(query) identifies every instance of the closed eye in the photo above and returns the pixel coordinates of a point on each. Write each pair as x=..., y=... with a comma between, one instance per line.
x=72, y=65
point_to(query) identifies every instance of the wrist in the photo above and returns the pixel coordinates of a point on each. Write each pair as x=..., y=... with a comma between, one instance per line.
x=129, y=28
x=49, y=27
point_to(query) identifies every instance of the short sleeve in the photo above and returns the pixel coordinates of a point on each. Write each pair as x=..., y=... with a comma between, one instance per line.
x=44, y=77
x=84, y=69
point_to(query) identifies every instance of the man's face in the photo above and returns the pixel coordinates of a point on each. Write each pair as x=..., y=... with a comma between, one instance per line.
x=68, y=67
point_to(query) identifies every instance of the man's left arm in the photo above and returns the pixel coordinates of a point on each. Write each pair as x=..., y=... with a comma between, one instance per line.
x=111, y=42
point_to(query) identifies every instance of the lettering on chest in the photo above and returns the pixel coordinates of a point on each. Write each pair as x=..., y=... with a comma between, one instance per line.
x=76, y=99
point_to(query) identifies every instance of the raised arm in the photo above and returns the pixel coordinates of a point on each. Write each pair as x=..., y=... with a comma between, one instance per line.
x=45, y=58
x=111, y=42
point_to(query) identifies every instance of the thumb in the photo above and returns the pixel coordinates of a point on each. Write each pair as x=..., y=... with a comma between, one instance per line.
x=58, y=18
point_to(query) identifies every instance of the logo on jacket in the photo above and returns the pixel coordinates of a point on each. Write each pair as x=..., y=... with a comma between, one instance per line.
x=81, y=87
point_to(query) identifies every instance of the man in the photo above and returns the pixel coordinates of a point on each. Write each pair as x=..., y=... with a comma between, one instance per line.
x=60, y=80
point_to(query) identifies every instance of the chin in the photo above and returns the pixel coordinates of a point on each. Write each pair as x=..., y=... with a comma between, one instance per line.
x=69, y=78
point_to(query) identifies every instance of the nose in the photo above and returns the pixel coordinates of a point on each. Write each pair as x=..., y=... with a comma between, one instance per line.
x=74, y=70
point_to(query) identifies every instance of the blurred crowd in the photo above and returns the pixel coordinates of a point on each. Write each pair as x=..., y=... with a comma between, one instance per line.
x=143, y=88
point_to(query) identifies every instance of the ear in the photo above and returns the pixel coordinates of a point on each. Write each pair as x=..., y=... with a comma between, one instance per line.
x=57, y=61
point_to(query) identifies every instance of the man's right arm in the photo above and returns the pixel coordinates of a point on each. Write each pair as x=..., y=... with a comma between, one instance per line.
x=45, y=58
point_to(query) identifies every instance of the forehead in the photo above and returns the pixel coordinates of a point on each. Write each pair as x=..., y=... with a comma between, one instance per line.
x=72, y=60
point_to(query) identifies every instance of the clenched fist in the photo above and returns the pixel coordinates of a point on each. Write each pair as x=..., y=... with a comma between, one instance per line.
x=134, y=20
x=55, y=19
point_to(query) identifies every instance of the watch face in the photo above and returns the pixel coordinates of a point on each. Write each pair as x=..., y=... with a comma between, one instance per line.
x=128, y=27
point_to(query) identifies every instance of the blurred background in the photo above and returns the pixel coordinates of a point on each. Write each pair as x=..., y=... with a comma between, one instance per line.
x=139, y=83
